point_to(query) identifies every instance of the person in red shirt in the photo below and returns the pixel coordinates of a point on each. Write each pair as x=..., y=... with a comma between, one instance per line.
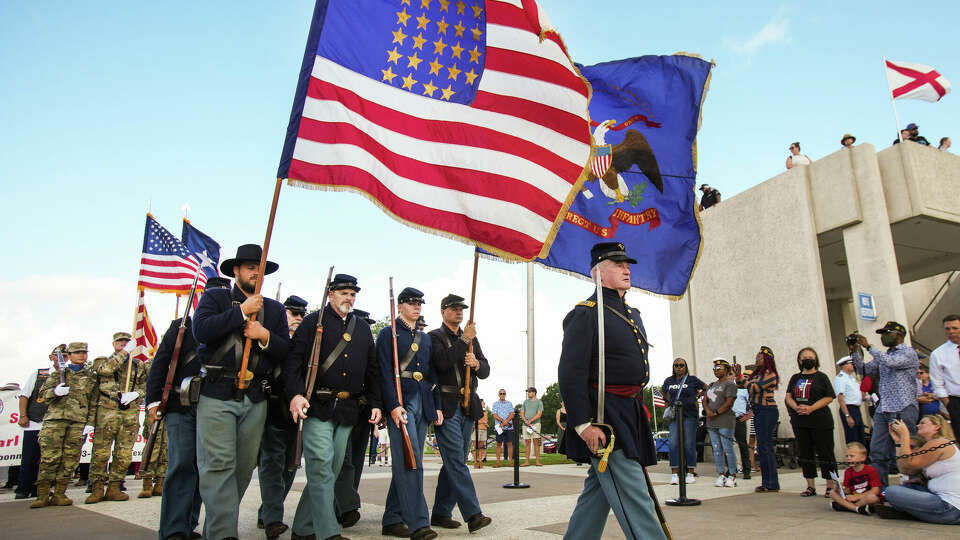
x=861, y=484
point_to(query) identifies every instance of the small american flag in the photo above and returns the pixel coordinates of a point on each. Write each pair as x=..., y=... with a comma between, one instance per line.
x=467, y=119
x=166, y=265
x=658, y=399
x=143, y=334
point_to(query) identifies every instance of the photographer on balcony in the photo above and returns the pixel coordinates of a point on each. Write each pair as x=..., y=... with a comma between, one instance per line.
x=895, y=369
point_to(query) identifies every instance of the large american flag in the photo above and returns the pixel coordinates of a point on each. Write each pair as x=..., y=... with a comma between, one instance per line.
x=454, y=117
x=144, y=334
x=166, y=265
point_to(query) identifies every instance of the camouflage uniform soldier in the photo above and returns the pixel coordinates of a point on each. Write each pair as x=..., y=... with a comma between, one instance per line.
x=61, y=437
x=153, y=475
x=116, y=420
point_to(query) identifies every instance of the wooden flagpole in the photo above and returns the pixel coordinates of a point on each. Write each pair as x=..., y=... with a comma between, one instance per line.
x=176, y=309
x=244, y=376
x=473, y=299
x=893, y=100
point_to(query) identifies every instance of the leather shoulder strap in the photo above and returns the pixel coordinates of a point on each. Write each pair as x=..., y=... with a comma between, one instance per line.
x=411, y=352
x=338, y=350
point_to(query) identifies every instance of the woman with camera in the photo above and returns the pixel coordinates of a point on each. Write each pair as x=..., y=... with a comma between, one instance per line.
x=939, y=500
x=808, y=395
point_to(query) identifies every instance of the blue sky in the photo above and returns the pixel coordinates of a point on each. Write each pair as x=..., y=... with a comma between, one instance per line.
x=109, y=107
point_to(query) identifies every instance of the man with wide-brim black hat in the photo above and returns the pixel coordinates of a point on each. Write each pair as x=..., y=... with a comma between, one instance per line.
x=623, y=486
x=346, y=395
x=230, y=420
x=450, y=357
x=279, y=434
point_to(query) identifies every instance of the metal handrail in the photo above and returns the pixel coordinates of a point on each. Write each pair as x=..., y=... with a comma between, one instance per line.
x=936, y=298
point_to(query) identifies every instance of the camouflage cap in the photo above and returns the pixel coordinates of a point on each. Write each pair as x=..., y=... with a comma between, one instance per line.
x=122, y=335
x=61, y=347
x=77, y=346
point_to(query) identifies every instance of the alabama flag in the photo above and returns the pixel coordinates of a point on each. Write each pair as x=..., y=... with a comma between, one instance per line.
x=916, y=81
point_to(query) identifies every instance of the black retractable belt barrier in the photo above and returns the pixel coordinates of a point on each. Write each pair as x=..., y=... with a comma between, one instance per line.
x=682, y=500
x=516, y=456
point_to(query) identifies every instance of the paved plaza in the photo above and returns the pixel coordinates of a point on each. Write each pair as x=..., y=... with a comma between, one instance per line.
x=540, y=511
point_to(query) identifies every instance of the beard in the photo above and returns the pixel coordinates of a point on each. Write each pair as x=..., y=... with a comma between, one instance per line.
x=247, y=287
x=344, y=308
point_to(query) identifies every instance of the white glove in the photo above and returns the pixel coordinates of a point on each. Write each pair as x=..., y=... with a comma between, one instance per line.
x=127, y=397
x=61, y=390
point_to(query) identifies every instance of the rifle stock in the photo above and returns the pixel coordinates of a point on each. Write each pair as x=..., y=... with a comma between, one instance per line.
x=295, y=453
x=168, y=381
x=409, y=458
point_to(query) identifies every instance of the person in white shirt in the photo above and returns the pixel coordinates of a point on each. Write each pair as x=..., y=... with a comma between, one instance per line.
x=30, y=419
x=796, y=158
x=945, y=369
x=849, y=398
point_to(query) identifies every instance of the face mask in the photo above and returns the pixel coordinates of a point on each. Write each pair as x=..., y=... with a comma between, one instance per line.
x=888, y=340
x=807, y=363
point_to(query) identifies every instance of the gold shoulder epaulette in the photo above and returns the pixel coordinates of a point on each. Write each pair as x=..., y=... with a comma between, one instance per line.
x=587, y=303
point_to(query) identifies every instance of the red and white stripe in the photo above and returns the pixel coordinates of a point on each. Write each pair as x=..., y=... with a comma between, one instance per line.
x=144, y=334
x=916, y=81
x=658, y=400
x=495, y=173
x=169, y=273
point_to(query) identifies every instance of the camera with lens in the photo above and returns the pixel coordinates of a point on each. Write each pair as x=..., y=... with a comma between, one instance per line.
x=852, y=339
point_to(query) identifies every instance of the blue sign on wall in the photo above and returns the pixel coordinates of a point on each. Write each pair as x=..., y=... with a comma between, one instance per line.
x=866, y=307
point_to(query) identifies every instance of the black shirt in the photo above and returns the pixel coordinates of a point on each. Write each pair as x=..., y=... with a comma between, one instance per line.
x=808, y=389
x=710, y=198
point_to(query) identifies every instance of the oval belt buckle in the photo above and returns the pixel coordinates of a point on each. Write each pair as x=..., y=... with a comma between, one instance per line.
x=343, y=395
x=417, y=376
x=414, y=347
x=346, y=337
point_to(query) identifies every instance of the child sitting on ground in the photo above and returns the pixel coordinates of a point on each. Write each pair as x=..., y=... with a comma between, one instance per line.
x=861, y=484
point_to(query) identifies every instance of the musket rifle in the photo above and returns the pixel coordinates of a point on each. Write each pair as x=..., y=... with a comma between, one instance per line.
x=296, y=455
x=409, y=458
x=171, y=371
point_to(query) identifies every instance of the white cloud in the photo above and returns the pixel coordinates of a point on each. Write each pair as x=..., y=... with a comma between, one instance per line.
x=775, y=31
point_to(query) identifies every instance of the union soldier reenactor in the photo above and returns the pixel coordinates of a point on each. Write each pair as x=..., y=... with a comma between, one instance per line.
x=450, y=357
x=61, y=437
x=346, y=385
x=279, y=433
x=153, y=474
x=346, y=489
x=116, y=420
x=623, y=486
x=180, y=507
x=230, y=419
x=406, y=508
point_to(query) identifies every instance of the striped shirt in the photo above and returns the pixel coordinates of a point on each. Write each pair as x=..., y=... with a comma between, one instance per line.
x=763, y=391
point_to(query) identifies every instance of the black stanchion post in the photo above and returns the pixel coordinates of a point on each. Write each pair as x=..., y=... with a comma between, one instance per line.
x=682, y=500
x=516, y=455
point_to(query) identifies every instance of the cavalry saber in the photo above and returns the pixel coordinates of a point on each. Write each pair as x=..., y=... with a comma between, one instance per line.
x=168, y=382
x=295, y=454
x=604, y=452
x=409, y=458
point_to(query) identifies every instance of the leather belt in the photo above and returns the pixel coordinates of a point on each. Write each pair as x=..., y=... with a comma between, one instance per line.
x=450, y=389
x=415, y=375
x=333, y=393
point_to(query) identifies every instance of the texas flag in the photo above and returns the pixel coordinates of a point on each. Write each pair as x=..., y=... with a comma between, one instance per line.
x=916, y=81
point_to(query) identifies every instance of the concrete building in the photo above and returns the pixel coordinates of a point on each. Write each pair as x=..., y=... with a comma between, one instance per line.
x=783, y=263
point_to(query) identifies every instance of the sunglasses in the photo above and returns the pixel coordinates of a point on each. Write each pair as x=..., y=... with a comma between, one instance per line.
x=679, y=365
x=503, y=393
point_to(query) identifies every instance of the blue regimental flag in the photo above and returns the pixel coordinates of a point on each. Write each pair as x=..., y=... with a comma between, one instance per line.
x=198, y=243
x=640, y=191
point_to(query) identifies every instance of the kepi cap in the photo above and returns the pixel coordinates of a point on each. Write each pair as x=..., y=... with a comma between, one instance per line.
x=409, y=294
x=296, y=305
x=892, y=326
x=344, y=281
x=613, y=251
x=452, y=300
